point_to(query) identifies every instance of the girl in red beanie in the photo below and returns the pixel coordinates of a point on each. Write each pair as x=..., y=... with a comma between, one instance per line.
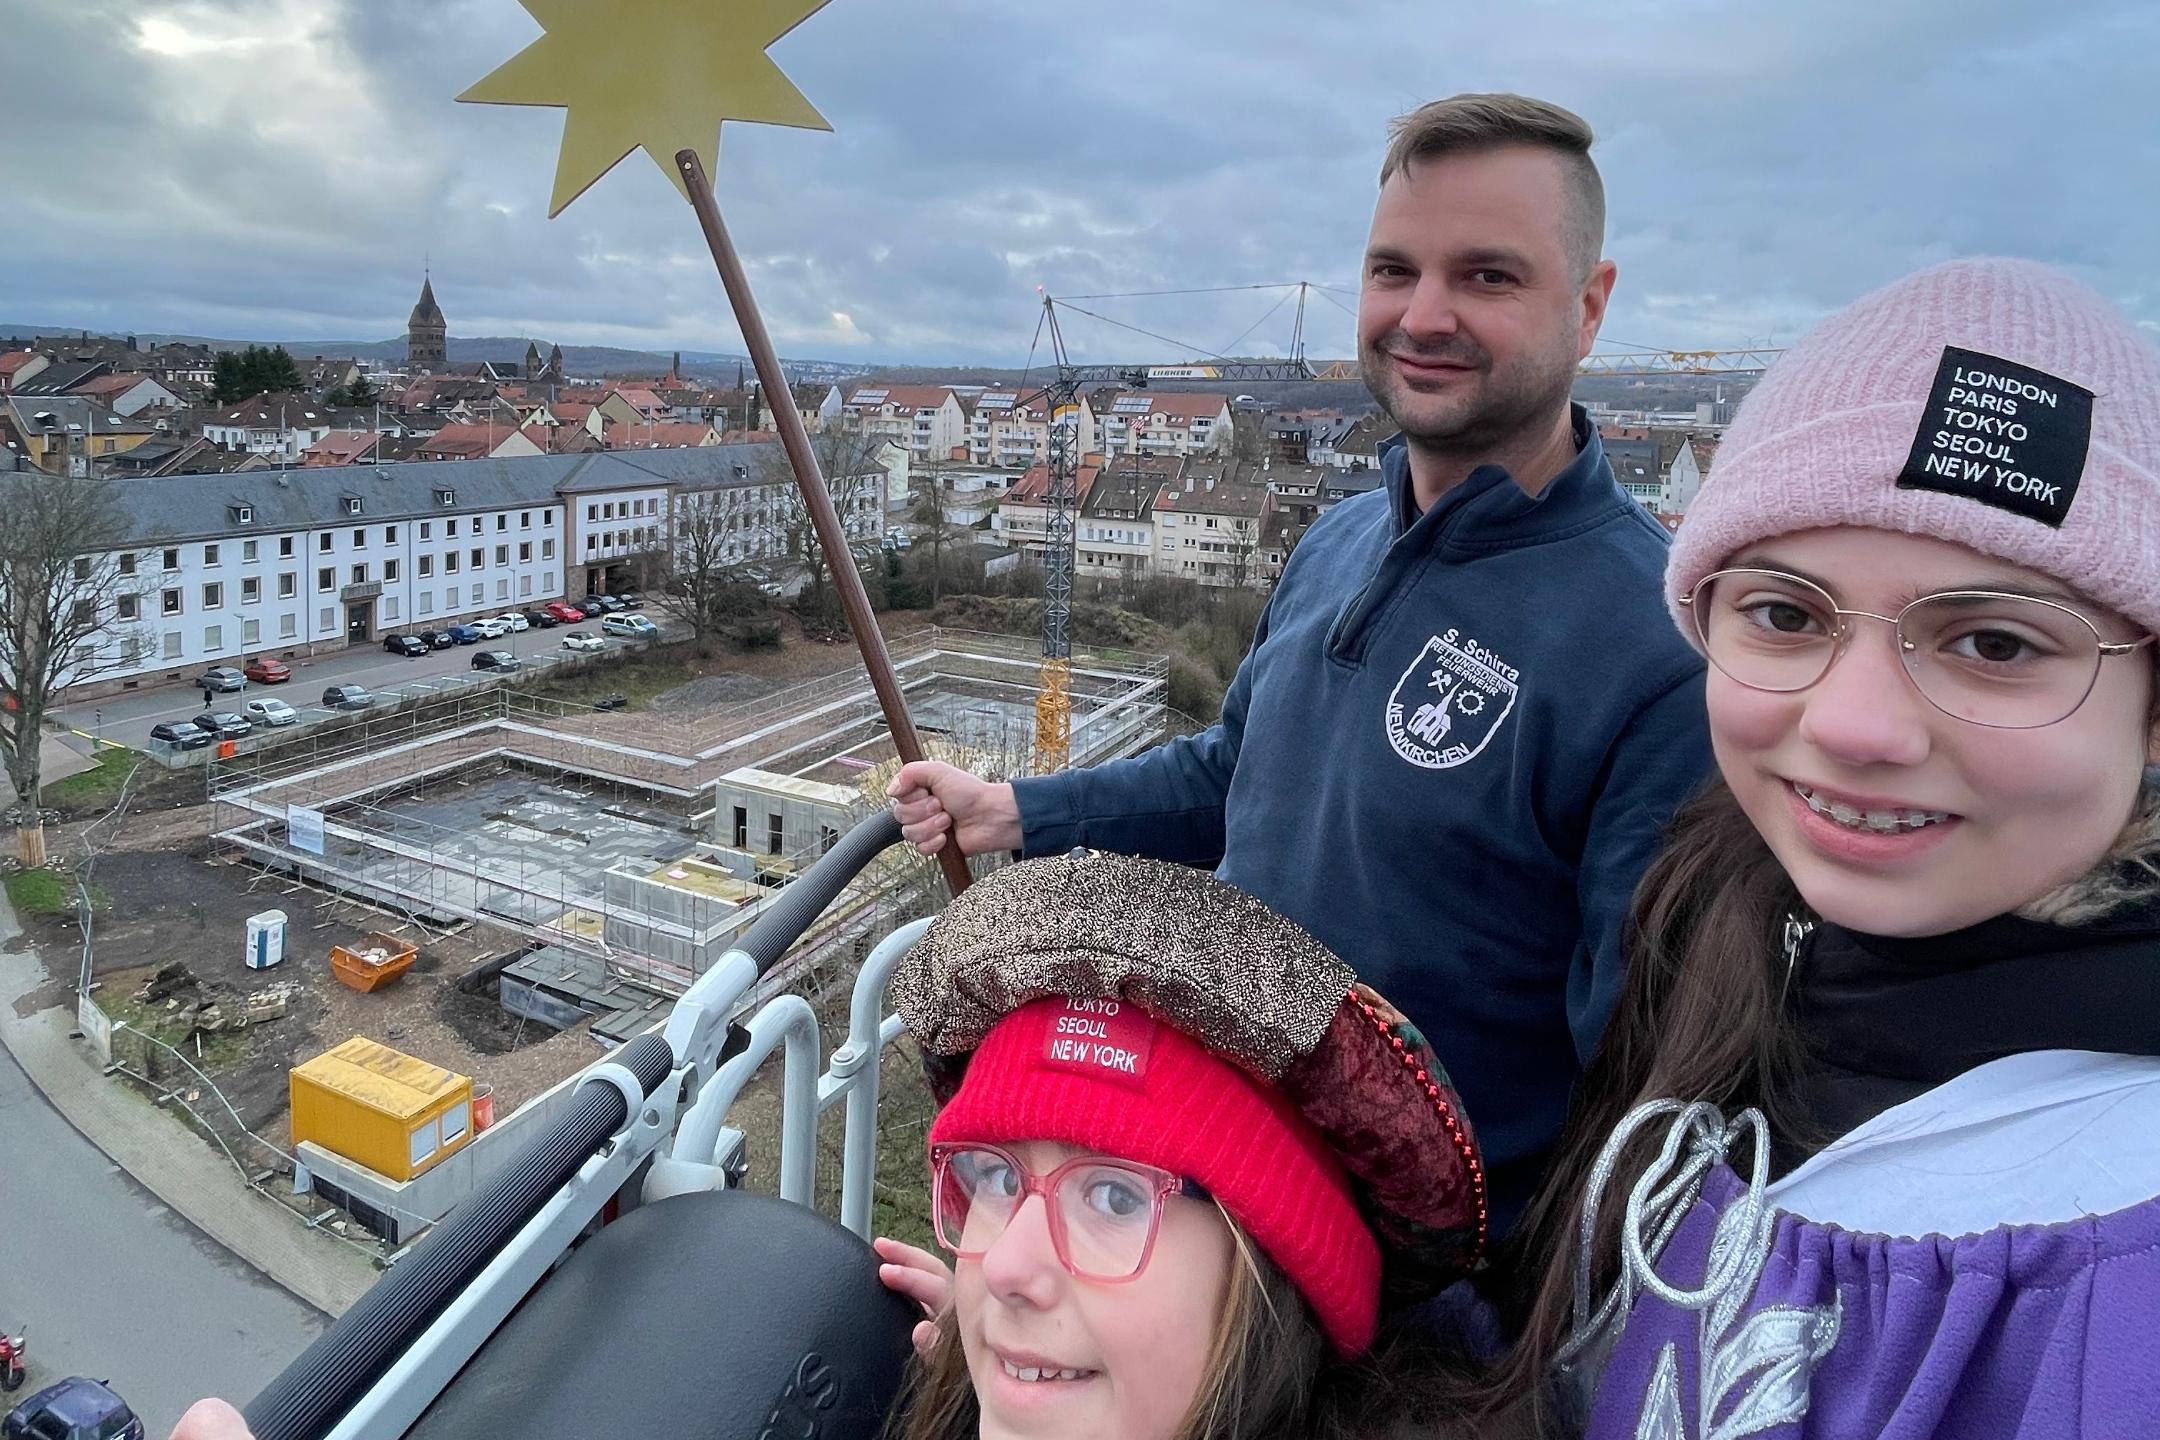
x=1190, y=1174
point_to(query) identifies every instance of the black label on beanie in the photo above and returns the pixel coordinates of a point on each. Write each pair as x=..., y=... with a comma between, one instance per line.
x=2004, y=434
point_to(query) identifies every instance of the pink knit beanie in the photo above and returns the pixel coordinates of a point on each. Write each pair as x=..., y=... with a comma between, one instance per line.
x=1994, y=403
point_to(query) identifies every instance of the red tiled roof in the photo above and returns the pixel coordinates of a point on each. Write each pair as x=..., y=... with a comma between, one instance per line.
x=342, y=447
x=905, y=397
x=107, y=388
x=1178, y=406
x=1033, y=488
x=640, y=398
x=15, y=359
x=660, y=435
x=464, y=441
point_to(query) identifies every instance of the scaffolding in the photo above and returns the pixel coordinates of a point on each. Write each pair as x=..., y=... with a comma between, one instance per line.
x=624, y=839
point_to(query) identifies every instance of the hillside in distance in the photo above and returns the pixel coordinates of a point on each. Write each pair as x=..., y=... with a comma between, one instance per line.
x=586, y=360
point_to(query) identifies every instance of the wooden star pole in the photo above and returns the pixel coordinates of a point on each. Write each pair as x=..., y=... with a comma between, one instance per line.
x=795, y=439
x=661, y=76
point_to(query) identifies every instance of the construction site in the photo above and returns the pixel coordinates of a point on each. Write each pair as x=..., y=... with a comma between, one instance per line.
x=495, y=887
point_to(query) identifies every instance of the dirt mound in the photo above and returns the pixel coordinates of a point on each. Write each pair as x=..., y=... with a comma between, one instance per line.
x=709, y=692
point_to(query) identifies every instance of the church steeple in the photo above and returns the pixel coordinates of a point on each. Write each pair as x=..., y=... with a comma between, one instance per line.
x=427, y=333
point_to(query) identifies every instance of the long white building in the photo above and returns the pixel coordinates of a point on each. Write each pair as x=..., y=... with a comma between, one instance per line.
x=217, y=569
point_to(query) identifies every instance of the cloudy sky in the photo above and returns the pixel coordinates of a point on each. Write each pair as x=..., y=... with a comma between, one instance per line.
x=260, y=168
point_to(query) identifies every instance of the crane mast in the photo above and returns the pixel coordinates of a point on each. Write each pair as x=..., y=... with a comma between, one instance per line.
x=1053, y=699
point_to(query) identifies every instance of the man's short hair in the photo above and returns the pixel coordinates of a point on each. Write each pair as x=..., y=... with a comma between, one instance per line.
x=1471, y=124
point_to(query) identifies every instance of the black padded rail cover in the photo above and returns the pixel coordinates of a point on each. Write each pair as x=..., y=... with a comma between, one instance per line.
x=770, y=935
x=722, y=1315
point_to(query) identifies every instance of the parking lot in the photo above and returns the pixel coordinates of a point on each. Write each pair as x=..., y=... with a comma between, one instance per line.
x=126, y=718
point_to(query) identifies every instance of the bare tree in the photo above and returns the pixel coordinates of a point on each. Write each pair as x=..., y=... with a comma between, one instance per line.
x=927, y=514
x=854, y=469
x=696, y=564
x=68, y=608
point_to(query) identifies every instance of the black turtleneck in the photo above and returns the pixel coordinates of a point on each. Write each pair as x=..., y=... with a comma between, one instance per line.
x=1889, y=1019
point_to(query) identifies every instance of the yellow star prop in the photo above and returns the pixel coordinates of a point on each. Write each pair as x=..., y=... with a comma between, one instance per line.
x=661, y=74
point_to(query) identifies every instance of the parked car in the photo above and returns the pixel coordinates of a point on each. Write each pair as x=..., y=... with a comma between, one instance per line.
x=496, y=660
x=265, y=671
x=564, y=611
x=635, y=626
x=346, y=697
x=270, y=712
x=583, y=642
x=185, y=734
x=593, y=607
x=631, y=600
x=541, y=620
x=223, y=724
x=464, y=634
x=489, y=628
x=78, y=1408
x=407, y=645
x=437, y=639
x=221, y=679
x=513, y=622
x=608, y=604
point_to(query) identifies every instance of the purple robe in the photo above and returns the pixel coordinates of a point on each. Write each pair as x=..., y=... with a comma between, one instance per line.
x=2028, y=1331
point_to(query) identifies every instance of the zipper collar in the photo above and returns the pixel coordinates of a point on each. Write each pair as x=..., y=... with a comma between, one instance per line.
x=1493, y=509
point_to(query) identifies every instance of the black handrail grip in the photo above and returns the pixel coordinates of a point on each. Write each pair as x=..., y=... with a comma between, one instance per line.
x=770, y=935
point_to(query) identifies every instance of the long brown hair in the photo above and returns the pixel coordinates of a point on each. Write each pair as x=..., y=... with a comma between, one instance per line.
x=1702, y=1015
x=1705, y=1014
x=1270, y=1375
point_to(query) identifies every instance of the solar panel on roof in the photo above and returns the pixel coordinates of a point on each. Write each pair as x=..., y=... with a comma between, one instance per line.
x=1131, y=405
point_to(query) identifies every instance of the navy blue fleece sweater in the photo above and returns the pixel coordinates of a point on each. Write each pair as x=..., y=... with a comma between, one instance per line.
x=1449, y=755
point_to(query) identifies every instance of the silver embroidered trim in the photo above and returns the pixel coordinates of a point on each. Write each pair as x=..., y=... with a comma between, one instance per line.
x=1753, y=1373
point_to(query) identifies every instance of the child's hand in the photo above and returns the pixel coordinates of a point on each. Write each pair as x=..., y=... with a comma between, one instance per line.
x=916, y=1274
x=211, y=1420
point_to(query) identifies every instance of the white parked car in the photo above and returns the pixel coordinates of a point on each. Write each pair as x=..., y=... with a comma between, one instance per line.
x=513, y=622
x=270, y=712
x=583, y=642
x=635, y=626
x=490, y=629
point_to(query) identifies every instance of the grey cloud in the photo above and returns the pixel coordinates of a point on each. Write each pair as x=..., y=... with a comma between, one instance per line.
x=1765, y=164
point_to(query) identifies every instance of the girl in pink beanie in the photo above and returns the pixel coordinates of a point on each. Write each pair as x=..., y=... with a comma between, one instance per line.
x=1869, y=1147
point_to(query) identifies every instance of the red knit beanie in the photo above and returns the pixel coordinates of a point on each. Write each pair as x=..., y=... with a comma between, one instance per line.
x=1107, y=1076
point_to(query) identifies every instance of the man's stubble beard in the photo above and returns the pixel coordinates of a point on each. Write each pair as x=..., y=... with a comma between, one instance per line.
x=1506, y=406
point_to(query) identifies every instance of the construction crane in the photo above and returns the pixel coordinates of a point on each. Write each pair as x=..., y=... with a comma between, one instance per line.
x=1633, y=364
x=1053, y=701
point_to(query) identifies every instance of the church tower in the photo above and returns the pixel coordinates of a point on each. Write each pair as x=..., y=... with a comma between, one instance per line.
x=427, y=334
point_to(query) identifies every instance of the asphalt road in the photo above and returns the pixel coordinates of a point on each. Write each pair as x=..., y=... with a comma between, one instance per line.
x=113, y=1284
x=127, y=717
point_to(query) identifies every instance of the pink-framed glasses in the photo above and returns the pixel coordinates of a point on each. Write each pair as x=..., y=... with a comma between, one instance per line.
x=1103, y=1213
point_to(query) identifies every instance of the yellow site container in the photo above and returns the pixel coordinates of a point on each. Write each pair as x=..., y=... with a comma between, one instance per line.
x=381, y=1108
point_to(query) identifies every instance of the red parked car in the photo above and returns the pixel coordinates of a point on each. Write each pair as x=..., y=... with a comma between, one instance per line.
x=262, y=670
x=564, y=611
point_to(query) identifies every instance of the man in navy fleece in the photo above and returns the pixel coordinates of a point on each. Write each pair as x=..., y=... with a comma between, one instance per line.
x=1465, y=717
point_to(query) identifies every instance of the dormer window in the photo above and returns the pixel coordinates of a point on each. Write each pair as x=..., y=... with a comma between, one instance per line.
x=446, y=497
x=243, y=514
x=353, y=505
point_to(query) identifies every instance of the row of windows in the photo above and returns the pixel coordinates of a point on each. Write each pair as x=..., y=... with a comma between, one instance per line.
x=173, y=642
x=624, y=509
x=250, y=551
x=451, y=559
x=172, y=601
